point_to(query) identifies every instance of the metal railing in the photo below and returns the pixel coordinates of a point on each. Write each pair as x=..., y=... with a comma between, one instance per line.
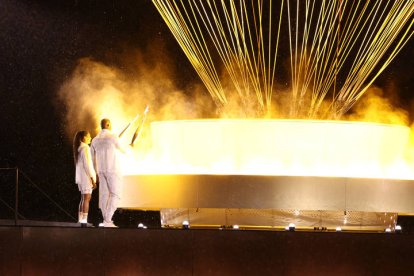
x=19, y=173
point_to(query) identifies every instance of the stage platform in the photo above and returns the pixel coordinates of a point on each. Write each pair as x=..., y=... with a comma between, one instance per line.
x=257, y=201
x=98, y=251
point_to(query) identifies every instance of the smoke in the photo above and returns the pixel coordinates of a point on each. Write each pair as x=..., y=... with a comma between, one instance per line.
x=379, y=106
x=97, y=90
x=244, y=102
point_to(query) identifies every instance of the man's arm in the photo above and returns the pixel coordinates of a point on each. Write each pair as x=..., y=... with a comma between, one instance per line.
x=119, y=145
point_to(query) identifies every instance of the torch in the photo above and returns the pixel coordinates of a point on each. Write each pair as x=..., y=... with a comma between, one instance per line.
x=138, y=131
x=128, y=125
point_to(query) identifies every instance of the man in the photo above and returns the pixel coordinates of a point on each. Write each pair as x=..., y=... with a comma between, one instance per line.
x=105, y=149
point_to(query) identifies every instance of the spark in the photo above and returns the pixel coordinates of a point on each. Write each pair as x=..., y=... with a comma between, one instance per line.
x=335, y=48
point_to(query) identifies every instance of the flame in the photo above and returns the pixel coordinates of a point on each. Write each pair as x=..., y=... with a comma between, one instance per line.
x=275, y=147
x=232, y=146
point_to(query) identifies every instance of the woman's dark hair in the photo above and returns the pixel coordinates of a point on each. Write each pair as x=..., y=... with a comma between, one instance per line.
x=76, y=143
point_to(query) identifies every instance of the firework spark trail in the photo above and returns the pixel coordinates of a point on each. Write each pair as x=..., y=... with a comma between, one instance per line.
x=323, y=73
x=194, y=46
x=336, y=48
x=375, y=49
x=323, y=38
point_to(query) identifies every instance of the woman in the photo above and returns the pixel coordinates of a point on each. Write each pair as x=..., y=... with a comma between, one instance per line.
x=85, y=173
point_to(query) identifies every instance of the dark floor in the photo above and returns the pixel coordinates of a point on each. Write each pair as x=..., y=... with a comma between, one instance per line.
x=126, y=251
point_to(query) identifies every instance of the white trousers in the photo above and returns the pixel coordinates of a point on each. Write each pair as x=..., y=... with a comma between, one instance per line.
x=110, y=192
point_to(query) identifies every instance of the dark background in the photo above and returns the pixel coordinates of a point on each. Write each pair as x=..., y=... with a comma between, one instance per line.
x=40, y=44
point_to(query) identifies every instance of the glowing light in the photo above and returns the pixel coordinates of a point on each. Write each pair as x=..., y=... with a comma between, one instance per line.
x=186, y=224
x=277, y=147
x=325, y=40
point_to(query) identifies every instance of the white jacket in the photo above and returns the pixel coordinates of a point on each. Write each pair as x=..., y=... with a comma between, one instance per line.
x=105, y=147
x=84, y=166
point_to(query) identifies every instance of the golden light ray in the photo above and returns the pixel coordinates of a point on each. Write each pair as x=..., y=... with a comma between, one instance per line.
x=326, y=40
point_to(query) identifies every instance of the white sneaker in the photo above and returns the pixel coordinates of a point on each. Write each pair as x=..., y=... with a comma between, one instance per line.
x=101, y=224
x=83, y=221
x=110, y=225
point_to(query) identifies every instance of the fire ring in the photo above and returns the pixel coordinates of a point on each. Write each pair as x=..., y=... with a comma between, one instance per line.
x=264, y=173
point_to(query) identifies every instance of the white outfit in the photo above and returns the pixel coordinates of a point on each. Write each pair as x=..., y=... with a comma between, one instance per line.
x=84, y=169
x=105, y=150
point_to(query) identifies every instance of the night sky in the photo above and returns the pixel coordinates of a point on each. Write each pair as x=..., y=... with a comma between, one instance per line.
x=41, y=43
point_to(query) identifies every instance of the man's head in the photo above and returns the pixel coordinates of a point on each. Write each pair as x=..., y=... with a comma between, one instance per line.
x=106, y=124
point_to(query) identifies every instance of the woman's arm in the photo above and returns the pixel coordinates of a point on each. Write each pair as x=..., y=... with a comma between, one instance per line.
x=87, y=164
